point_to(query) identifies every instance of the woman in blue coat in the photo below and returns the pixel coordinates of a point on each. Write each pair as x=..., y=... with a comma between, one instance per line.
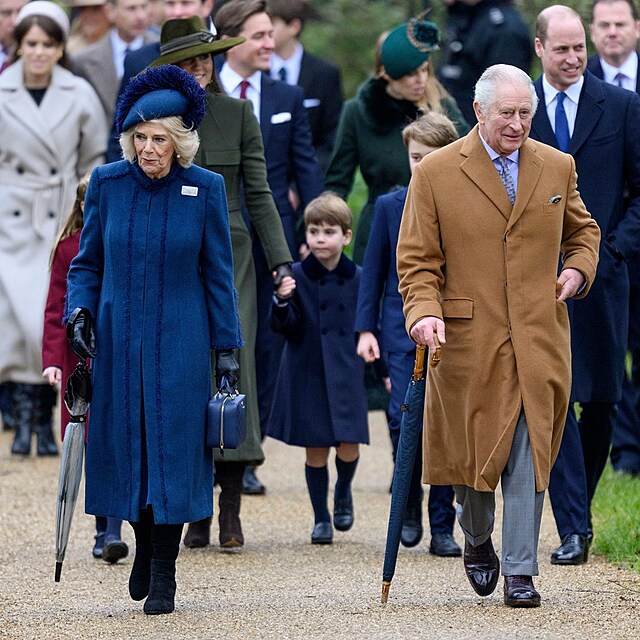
x=155, y=276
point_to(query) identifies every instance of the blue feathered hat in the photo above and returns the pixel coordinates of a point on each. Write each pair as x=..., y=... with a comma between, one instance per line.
x=161, y=92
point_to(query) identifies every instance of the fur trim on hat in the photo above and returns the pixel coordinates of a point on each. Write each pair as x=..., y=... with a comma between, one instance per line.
x=164, y=77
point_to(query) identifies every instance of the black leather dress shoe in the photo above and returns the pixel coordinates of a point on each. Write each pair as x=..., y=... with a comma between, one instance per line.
x=444, y=546
x=573, y=550
x=251, y=486
x=322, y=533
x=343, y=514
x=520, y=592
x=482, y=567
x=412, y=531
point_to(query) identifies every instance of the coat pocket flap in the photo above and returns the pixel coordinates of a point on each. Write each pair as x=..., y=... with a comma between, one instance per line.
x=457, y=308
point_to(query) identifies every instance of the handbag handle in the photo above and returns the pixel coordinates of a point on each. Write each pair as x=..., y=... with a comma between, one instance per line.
x=225, y=388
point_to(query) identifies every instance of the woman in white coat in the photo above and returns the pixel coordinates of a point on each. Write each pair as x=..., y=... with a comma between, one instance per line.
x=52, y=131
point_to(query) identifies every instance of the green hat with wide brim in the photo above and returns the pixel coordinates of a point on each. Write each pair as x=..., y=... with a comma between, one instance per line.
x=184, y=38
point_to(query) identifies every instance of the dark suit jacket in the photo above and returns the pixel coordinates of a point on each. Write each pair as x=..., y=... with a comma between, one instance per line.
x=606, y=148
x=323, y=100
x=595, y=67
x=134, y=63
x=289, y=151
x=379, y=280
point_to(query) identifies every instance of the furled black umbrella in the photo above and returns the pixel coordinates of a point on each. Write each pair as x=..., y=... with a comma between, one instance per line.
x=410, y=431
x=77, y=397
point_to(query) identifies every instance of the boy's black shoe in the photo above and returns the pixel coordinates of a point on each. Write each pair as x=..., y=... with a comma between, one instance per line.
x=322, y=533
x=444, y=546
x=343, y=514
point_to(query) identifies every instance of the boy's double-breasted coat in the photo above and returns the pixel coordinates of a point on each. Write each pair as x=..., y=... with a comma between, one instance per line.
x=320, y=400
x=490, y=271
x=44, y=150
x=155, y=270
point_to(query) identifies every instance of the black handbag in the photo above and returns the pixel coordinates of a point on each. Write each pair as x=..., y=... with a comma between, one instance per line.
x=226, y=418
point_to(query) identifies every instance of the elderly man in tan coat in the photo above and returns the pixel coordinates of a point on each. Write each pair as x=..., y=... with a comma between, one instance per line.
x=485, y=222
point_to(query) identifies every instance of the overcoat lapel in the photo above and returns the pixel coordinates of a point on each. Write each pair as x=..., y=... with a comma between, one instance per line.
x=529, y=171
x=267, y=108
x=590, y=111
x=24, y=109
x=478, y=166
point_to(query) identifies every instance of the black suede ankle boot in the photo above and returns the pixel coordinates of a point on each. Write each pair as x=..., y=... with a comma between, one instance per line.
x=140, y=577
x=165, y=545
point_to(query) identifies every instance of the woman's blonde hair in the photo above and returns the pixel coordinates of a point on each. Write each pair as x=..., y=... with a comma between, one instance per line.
x=75, y=219
x=185, y=141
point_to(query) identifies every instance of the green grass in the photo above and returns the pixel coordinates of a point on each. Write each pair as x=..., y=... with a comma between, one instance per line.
x=616, y=515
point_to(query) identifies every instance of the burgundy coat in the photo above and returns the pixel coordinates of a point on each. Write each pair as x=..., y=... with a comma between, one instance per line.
x=56, y=351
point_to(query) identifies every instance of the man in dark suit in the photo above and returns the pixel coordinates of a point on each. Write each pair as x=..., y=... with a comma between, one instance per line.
x=136, y=61
x=320, y=79
x=290, y=158
x=478, y=34
x=615, y=30
x=598, y=124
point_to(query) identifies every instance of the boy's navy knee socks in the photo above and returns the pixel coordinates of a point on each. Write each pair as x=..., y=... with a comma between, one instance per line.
x=318, y=486
x=346, y=471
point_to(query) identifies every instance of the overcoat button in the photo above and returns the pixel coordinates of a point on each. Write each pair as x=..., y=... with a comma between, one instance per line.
x=341, y=307
x=342, y=332
x=16, y=213
x=20, y=170
x=340, y=281
x=322, y=281
x=53, y=171
x=323, y=307
x=324, y=332
x=52, y=214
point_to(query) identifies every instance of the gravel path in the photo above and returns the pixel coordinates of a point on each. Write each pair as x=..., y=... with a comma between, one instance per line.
x=280, y=586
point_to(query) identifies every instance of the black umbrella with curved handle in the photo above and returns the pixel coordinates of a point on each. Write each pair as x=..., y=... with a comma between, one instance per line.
x=77, y=397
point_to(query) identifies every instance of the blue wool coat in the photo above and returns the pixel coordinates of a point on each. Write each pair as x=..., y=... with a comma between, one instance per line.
x=320, y=399
x=155, y=270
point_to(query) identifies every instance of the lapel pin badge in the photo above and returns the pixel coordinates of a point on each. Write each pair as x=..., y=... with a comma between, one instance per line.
x=554, y=199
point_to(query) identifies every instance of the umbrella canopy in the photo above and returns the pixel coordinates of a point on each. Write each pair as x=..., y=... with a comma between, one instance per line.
x=410, y=433
x=77, y=396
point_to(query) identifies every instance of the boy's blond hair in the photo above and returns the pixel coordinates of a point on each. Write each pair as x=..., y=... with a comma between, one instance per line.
x=329, y=208
x=431, y=129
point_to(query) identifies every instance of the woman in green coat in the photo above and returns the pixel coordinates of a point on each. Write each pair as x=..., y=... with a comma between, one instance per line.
x=369, y=133
x=231, y=145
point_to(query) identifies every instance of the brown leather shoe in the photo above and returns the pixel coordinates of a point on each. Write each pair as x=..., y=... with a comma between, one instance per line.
x=520, y=592
x=198, y=534
x=482, y=567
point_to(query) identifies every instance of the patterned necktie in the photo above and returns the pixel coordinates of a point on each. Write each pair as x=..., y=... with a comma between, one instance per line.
x=619, y=79
x=244, y=85
x=562, y=124
x=283, y=74
x=507, y=180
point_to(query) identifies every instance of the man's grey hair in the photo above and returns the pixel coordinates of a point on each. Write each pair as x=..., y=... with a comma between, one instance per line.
x=496, y=75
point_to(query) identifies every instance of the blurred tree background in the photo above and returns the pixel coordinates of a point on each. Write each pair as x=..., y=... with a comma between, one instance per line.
x=349, y=28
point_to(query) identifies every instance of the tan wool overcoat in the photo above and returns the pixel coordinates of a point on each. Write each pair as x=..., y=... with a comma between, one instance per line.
x=490, y=272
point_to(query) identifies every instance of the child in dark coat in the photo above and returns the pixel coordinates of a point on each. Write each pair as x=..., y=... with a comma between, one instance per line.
x=380, y=306
x=320, y=399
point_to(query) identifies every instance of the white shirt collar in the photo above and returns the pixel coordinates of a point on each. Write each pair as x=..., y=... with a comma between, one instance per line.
x=291, y=64
x=629, y=68
x=231, y=80
x=494, y=154
x=572, y=92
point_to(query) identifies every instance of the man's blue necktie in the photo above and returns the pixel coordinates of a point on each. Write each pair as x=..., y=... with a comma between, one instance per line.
x=562, y=124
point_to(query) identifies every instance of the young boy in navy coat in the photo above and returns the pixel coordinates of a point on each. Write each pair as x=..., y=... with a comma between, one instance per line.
x=320, y=400
x=380, y=306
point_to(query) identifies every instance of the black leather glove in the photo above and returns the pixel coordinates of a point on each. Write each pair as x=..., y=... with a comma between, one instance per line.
x=282, y=270
x=227, y=366
x=80, y=333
